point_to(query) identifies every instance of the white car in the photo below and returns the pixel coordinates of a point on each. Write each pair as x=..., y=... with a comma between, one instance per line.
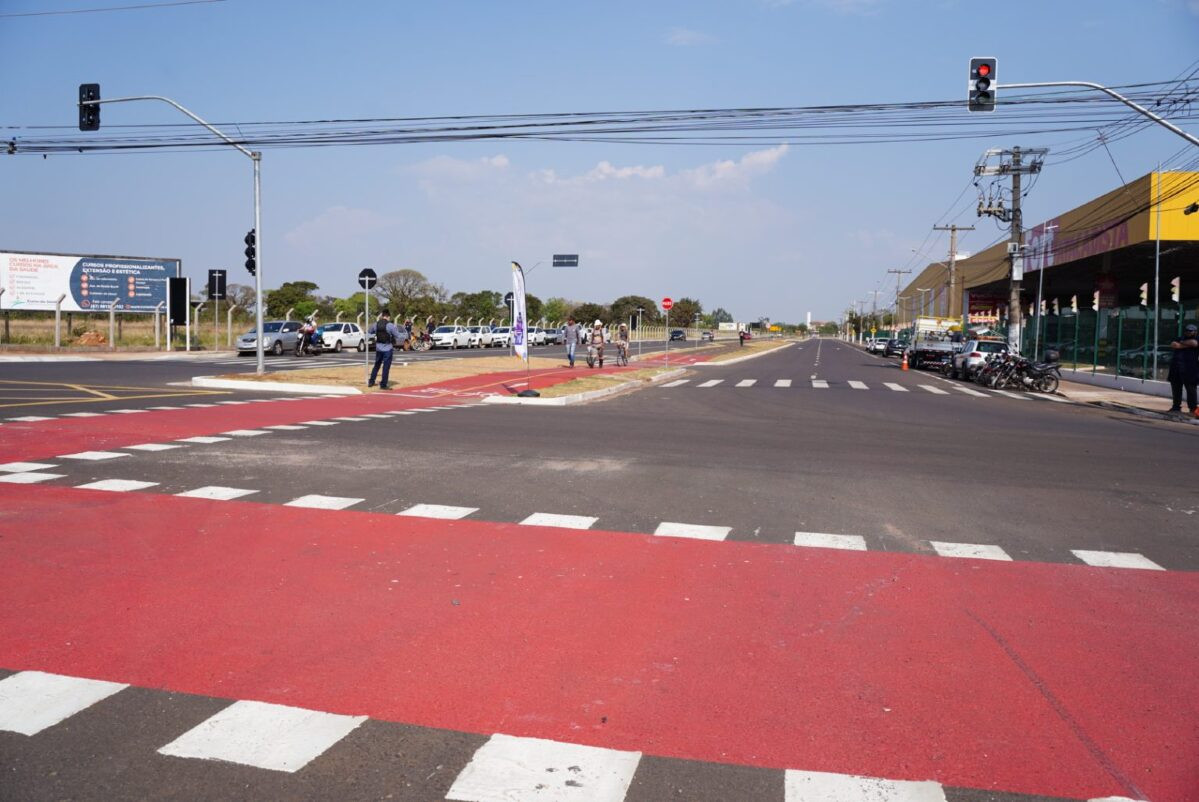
x=451, y=337
x=536, y=336
x=338, y=336
x=501, y=336
x=481, y=337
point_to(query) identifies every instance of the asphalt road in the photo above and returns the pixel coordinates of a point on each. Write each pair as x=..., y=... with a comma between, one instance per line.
x=815, y=440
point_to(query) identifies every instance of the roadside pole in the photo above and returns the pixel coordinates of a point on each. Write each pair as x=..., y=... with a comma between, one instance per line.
x=1157, y=270
x=367, y=278
x=640, y=309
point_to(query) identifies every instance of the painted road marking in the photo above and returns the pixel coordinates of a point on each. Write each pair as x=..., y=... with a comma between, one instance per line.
x=379, y=414
x=117, y=485
x=711, y=383
x=200, y=406
x=1009, y=394
x=126, y=411
x=746, y=383
x=1047, y=397
x=319, y=502
x=233, y=402
x=969, y=391
x=820, y=540
x=931, y=389
x=819, y=384
x=560, y=521
x=216, y=493
x=263, y=735
x=976, y=551
x=286, y=427
x=245, y=432
x=320, y=423
x=30, y=418
x=29, y=477
x=82, y=414
x=94, y=456
x=676, y=383
x=783, y=383
x=31, y=701
x=203, y=439
x=858, y=385
x=348, y=419
x=899, y=388
x=511, y=768
x=1116, y=559
x=407, y=411
x=164, y=407
x=439, y=511
x=819, y=786
x=22, y=467
x=153, y=447
x=696, y=531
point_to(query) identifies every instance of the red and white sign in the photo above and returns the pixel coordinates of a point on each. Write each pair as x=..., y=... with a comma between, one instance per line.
x=667, y=304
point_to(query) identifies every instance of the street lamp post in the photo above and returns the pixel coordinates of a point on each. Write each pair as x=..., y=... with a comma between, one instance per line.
x=254, y=156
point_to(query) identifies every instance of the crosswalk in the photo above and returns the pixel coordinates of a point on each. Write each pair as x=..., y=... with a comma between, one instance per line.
x=856, y=384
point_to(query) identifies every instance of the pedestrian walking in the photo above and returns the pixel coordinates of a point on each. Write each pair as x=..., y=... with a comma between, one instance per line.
x=741, y=339
x=571, y=335
x=1184, y=369
x=387, y=337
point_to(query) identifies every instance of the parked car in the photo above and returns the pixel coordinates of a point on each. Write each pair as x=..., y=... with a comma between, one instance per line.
x=536, y=335
x=894, y=347
x=677, y=334
x=280, y=336
x=748, y=335
x=501, y=336
x=707, y=336
x=875, y=345
x=974, y=355
x=451, y=337
x=338, y=336
x=554, y=336
x=481, y=337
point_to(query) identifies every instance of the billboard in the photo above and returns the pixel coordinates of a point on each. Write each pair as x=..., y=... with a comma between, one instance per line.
x=34, y=282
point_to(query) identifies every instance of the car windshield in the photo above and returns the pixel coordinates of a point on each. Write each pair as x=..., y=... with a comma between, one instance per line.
x=268, y=328
x=502, y=330
x=991, y=348
x=444, y=330
x=329, y=327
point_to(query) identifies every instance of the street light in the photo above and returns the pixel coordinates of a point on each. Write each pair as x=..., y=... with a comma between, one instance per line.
x=924, y=299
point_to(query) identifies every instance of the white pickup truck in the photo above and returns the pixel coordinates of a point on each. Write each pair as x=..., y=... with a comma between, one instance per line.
x=931, y=342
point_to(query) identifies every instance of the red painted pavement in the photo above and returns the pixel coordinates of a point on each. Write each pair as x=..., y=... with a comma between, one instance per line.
x=1037, y=678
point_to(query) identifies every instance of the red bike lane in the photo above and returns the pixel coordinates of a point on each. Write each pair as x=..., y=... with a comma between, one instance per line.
x=1037, y=678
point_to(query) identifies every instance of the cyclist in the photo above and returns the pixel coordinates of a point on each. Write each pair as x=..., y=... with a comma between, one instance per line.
x=622, y=343
x=595, y=345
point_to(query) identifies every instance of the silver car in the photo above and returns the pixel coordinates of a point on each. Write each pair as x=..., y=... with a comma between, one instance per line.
x=281, y=335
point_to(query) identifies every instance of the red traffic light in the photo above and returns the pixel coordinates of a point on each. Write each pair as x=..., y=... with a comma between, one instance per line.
x=984, y=70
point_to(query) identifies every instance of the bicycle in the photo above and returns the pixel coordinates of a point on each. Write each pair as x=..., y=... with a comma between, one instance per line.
x=622, y=354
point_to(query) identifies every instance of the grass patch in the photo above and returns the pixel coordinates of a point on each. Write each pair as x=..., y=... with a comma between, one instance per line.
x=749, y=348
x=601, y=381
x=411, y=375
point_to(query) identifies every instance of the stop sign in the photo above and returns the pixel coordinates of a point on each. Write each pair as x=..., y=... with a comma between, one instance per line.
x=667, y=304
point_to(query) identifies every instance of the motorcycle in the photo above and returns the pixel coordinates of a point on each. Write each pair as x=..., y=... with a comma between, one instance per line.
x=309, y=344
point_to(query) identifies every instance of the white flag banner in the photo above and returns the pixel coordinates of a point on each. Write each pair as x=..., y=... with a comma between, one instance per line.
x=519, y=319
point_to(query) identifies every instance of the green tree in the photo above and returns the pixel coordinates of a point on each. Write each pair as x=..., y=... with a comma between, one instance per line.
x=720, y=315
x=828, y=329
x=684, y=312
x=557, y=309
x=625, y=307
x=588, y=313
x=402, y=288
x=533, y=307
x=482, y=305
x=292, y=295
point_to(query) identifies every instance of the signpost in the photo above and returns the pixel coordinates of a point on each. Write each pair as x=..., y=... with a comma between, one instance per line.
x=216, y=293
x=367, y=279
x=667, y=303
x=511, y=323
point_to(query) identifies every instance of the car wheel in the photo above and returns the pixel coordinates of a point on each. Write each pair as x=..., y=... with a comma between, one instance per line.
x=277, y=348
x=361, y=346
x=337, y=347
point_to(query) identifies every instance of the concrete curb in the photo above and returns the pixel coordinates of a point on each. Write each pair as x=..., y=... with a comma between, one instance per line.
x=740, y=358
x=590, y=395
x=1143, y=413
x=212, y=382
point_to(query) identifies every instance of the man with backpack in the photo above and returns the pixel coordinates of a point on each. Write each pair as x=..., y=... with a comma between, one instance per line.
x=387, y=337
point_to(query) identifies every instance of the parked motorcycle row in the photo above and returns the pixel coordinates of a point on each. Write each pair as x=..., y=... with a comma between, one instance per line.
x=1013, y=372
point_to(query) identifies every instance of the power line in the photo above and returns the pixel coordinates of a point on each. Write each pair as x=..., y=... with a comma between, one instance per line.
x=139, y=7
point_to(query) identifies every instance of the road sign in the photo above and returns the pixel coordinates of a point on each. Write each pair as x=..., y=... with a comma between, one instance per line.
x=508, y=299
x=566, y=260
x=667, y=304
x=367, y=278
x=216, y=285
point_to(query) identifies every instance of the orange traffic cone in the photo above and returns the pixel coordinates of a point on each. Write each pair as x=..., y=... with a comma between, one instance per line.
x=904, y=365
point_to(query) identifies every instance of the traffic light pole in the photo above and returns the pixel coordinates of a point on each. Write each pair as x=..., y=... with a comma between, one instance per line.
x=256, y=157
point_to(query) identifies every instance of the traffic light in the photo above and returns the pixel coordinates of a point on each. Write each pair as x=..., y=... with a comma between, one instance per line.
x=1095, y=301
x=89, y=116
x=1176, y=289
x=1145, y=294
x=251, y=253
x=1057, y=309
x=1074, y=304
x=982, y=85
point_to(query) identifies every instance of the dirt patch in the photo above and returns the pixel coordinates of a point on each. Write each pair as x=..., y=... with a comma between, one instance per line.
x=601, y=381
x=410, y=375
x=749, y=348
x=91, y=338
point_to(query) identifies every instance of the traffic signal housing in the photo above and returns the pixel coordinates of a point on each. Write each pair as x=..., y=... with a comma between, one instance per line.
x=1145, y=294
x=1095, y=301
x=1176, y=289
x=982, y=84
x=89, y=116
x=251, y=253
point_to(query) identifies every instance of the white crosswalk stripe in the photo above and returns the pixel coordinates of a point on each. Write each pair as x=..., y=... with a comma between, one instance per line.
x=711, y=383
x=783, y=383
x=819, y=384
x=216, y=493
x=746, y=383
x=1010, y=394
x=697, y=531
x=117, y=485
x=899, y=388
x=676, y=383
x=975, y=551
x=444, y=511
x=512, y=768
x=1116, y=559
x=31, y=701
x=970, y=391
x=28, y=477
x=561, y=521
x=22, y=467
x=858, y=385
x=318, y=502
x=931, y=389
x=820, y=786
x=820, y=540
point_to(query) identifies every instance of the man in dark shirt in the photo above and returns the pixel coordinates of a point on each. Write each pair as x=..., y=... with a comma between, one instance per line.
x=1184, y=369
x=387, y=336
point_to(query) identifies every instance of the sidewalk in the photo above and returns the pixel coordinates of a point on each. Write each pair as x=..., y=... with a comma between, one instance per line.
x=1150, y=406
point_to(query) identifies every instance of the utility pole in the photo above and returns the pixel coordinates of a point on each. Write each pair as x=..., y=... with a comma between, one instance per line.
x=899, y=274
x=1011, y=162
x=953, y=260
x=874, y=312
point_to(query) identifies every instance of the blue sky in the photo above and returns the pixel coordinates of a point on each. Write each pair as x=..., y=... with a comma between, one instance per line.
x=759, y=230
